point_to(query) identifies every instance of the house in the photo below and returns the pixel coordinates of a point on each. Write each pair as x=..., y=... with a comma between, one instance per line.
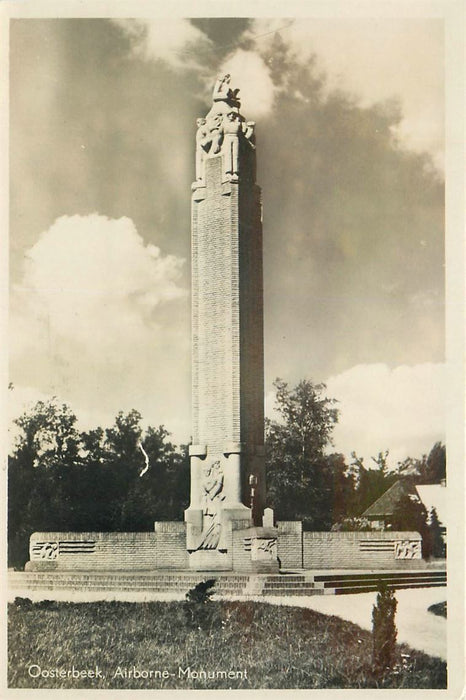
x=381, y=511
x=430, y=495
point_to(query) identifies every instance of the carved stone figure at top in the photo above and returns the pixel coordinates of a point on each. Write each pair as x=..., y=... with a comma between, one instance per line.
x=223, y=92
x=231, y=130
x=221, y=131
x=221, y=87
x=203, y=143
x=248, y=130
x=215, y=126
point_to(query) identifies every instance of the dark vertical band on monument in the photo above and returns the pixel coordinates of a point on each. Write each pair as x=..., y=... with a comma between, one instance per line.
x=227, y=451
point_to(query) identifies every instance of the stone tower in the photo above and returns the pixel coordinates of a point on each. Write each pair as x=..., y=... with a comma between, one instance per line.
x=227, y=451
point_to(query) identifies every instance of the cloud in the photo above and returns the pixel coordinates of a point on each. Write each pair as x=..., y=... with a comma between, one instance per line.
x=353, y=227
x=375, y=61
x=175, y=41
x=400, y=409
x=257, y=88
x=100, y=320
x=185, y=47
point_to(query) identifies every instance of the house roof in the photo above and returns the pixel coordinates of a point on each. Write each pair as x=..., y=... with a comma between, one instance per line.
x=386, y=504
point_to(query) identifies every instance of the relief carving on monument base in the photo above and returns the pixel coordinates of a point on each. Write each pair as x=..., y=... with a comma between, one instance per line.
x=406, y=549
x=44, y=551
x=264, y=549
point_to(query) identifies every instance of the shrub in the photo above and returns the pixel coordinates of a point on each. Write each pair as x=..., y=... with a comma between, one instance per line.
x=383, y=632
x=439, y=609
x=23, y=603
x=352, y=525
x=198, y=609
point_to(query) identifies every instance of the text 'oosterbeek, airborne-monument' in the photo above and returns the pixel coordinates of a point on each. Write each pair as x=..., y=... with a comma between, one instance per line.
x=227, y=452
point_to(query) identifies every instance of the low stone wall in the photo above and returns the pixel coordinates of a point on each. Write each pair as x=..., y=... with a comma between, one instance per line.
x=133, y=551
x=290, y=544
x=346, y=550
x=171, y=545
x=360, y=550
x=253, y=549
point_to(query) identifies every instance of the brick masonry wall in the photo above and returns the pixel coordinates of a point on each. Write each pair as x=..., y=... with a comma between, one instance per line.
x=355, y=550
x=171, y=545
x=227, y=309
x=241, y=557
x=215, y=313
x=166, y=549
x=132, y=551
x=290, y=544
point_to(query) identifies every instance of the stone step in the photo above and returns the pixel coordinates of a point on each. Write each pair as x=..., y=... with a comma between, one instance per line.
x=280, y=592
x=288, y=584
x=227, y=584
x=117, y=579
x=113, y=584
x=382, y=575
x=286, y=577
x=418, y=581
x=370, y=589
x=94, y=586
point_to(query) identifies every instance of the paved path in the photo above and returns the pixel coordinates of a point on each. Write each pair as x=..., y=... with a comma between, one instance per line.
x=418, y=628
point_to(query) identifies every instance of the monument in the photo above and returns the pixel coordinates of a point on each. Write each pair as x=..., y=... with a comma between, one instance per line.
x=227, y=450
x=225, y=527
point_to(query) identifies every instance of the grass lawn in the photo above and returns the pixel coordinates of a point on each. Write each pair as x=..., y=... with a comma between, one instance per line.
x=246, y=645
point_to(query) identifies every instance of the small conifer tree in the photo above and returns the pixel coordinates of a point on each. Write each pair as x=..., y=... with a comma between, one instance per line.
x=438, y=545
x=383, y=631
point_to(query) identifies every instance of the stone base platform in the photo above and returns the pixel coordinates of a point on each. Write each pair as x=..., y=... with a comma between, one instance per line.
x=91, y=585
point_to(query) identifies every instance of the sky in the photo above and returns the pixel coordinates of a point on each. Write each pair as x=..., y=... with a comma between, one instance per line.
x=350, y=149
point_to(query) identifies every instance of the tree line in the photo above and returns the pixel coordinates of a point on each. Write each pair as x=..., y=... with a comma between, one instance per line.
x=124, y=477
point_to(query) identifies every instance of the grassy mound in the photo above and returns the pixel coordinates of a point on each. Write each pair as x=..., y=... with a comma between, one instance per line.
x=245, y=645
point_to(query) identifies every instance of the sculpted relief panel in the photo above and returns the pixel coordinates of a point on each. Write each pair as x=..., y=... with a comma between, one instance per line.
x=44, y=550
x=408, y=550
x=212, y=497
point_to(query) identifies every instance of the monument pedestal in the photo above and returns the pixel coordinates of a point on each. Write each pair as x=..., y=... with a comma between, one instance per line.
x=210, y=547
x=255, y=550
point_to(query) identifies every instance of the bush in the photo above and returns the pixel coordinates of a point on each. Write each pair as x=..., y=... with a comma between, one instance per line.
x=352, y=525
x=383, y=632
x=439, y=609
x=198, y=609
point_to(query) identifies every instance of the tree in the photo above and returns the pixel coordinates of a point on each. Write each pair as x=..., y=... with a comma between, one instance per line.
x=410, y=515
x=435, y=465
x=438, y=544
x=429, y=469
x=384, y=631
x=47, y=435
x=298, y=471
x=44, y=456
x=161, y=491
x=370, y=483
x=63, y=480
